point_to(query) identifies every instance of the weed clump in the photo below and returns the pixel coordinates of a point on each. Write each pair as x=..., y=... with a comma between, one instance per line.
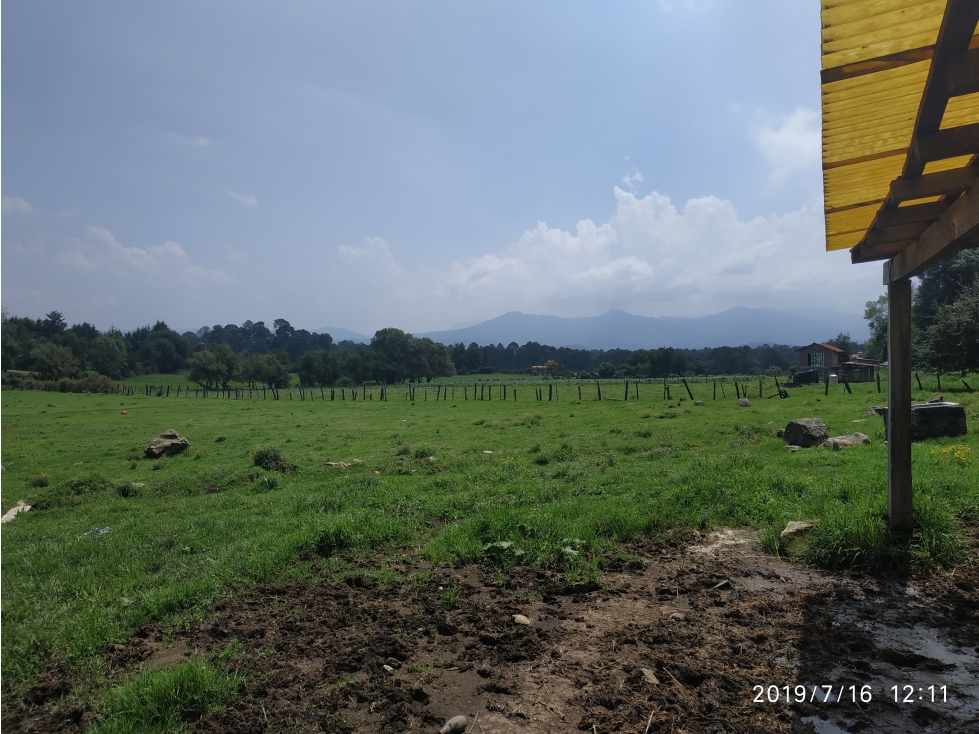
x=167, y=699
x=39, y=480
x=270, y=458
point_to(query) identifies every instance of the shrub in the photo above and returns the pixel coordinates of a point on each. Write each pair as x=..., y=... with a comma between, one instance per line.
x=270, y=458
x=39, y=480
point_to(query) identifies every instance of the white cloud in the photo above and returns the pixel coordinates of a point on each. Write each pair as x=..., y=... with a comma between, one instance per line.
x=792, y=142
x=631, y=179
x=243, y=198
x=169, y=260
x=651, y=258
x=15, y=205
x=198, y=141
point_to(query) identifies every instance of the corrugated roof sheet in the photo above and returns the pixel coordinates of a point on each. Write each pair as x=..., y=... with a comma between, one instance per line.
x=876, y=58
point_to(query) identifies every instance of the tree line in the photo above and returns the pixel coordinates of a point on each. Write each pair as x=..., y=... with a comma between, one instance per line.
x=944, y=318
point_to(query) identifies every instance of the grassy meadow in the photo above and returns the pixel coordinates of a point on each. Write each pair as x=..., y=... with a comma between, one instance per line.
x=558, y=484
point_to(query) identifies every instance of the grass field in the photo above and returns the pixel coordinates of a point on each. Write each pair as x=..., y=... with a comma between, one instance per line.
x=557, y=484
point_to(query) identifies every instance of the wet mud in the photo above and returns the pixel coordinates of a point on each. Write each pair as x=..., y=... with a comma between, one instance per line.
x=678, y=639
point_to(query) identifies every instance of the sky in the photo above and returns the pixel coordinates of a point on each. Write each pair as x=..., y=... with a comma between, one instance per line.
x=417, y=164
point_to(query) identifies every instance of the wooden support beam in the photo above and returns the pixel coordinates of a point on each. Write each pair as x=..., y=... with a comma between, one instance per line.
x=897, y=233
x=953, y=181
x=948, y=143
x=866, y=254
x=900, y=508
x=954, y=37
x=963, y=74
x=955, y=230
x=898, y=215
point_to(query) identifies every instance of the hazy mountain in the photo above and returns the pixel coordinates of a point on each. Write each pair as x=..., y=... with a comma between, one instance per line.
x=343, y=335
x=619, y=329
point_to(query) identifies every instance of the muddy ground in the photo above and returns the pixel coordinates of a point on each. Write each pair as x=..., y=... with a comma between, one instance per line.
x=709, y=618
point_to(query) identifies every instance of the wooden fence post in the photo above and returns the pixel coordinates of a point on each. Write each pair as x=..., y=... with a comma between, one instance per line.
x=684, y=380
x=877, y=374
x=599, y=385
x=919, y=381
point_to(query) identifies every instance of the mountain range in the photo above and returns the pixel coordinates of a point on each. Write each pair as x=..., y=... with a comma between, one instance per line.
x=617, y=329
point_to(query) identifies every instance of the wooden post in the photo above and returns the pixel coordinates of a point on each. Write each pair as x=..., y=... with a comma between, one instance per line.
x=599, y=389
x=715, y=389
x=826, y=380
x=761, y=393
x=737, y=390
x=550, y=391
x=626, y=398
x=637, y=389
x=723, y=395
x=966, y=385
x=664, y=389
x=684, y=379
x=900, y=509
x=579, y=392
x=846, y=383
x=918, y=379
x=878, y=381
x=939, y=378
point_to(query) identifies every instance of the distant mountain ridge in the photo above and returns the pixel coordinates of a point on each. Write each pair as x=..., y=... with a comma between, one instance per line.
x=617, y=329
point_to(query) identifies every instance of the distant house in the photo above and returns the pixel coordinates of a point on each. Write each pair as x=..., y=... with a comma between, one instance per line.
x=820, y=357
x=538, y=369
x=859, y=370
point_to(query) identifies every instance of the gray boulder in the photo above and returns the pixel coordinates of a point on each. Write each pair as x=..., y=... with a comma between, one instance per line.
x=168, y=443
x=743, y=402
x=805, y=432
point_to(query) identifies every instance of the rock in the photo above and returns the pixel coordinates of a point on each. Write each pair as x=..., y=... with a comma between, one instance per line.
x=805, y=432
x=860, y=420
x=337, y=464
x=795, y=537
x=876, y=410
x=168, y=443
x=650, y=676
x=20, y=507
x=933, y=420
x=695, y=402
x=393, y=661
x=455, y=725
x=389, y=669
x=678, y=616
x=794, y=448
x=487, y=452
x=937, y=399
x=521, y=619
x=125, y=412
x=843, y=442
x=743, y=402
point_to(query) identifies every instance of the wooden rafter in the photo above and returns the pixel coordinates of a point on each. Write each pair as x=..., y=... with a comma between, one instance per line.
x=954, y=71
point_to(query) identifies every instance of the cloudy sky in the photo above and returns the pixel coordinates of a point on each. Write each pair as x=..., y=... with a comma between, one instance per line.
x=411, y=163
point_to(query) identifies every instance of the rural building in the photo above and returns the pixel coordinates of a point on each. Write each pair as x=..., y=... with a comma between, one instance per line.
x=538, y=369
x=858, y=370
x=820, y=357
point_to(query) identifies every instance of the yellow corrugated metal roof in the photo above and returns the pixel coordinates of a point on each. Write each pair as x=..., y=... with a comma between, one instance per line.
x=876, y=59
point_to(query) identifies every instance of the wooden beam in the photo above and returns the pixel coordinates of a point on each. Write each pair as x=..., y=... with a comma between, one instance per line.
x=963, y=74
x=954, y=37
x=912, y=213
x=870, y=253
x=953, y=181
x=900, y=507
x=898, y=233
x=955, y=230
x=948, y=143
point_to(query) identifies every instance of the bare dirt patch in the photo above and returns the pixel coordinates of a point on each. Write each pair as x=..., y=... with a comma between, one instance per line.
x=673, y=641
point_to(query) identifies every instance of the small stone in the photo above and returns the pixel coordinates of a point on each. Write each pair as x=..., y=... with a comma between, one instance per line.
x=431, y=458
x=337, y=464
x=860, y=420
x=743, y=402
x=650, y=676
x=678, y=616
x=487, y=452
x=795, y=537
x=795, y=448
x=393, y=661
x=376, y=472
x=937, y=399
x=455, y=725
x=125, y=412
x=389, y=669
x=521, y=619
x=695, y=402
x=843, y=442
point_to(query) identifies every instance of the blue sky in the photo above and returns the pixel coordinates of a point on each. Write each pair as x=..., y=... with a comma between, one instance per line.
x=413, y=164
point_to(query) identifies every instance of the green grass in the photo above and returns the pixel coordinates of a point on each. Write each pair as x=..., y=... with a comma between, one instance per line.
x=565, y=484
x=166, y=700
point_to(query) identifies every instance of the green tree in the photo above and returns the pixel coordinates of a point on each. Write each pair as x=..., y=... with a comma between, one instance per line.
x=53, y=362
x=876, y=315
x=550, y=367
x=606, y=370
x=844, y=342
x=951, y=342
x=107, y=355
x=941, y=285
